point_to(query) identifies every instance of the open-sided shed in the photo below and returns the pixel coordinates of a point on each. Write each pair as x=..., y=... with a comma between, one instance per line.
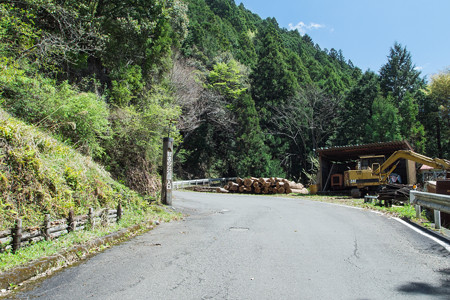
x=336, y=160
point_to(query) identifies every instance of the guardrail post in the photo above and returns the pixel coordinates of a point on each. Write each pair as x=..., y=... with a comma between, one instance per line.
x=412, y=199
x=437, y=219
x=418, y=211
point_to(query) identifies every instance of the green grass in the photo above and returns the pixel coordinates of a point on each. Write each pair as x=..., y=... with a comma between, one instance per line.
x=401, y=211
x=25, y=255
x=405, y=211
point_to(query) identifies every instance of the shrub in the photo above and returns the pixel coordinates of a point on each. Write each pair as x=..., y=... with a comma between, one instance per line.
x=81, y=119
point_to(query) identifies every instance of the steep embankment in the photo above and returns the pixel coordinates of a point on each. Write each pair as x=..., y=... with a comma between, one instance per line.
x=39, y=175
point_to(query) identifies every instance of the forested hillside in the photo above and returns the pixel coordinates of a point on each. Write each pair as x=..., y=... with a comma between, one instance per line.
x=240, y=95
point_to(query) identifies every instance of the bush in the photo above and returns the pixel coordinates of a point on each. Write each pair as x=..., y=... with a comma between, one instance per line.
x=80, y=119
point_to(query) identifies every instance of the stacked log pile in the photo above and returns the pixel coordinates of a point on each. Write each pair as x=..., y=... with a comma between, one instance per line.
x=253, y=185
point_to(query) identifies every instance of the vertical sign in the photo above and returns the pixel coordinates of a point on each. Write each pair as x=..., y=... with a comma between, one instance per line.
x=166, y=193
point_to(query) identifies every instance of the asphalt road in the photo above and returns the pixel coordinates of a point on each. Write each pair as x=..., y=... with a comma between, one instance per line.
x=249, y=247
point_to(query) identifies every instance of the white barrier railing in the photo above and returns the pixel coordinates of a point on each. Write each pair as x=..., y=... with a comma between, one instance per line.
x=438, y=202
x=209, y=181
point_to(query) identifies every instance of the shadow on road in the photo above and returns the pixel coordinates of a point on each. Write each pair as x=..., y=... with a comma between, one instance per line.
x=422, y=288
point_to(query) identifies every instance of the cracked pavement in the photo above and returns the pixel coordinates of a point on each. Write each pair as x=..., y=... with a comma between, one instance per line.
x=252, y=247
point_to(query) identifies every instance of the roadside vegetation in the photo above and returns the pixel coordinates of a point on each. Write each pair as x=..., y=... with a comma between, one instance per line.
x=42, y=249
x=406, y=210
x=40, y=175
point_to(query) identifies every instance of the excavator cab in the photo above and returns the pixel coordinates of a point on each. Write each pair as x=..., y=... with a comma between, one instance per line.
x=363, y=178
x=370, y=162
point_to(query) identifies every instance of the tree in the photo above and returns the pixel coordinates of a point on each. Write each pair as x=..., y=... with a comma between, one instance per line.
x=356, y=110
x=272, y=81
x=410, y=128
x=252, y=155
x=296, y=66
x=307, y=121
x=436, y=114
x=400, y=80
x=399, y=74
x=384, y=123
x=226, y=79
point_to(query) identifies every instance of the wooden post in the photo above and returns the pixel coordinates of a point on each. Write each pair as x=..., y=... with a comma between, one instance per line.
x=71, y=221
x=119, y=212
x=166, y=193
x=17, y=236
x=45, y=229
x=91, y=217
x=104, y=217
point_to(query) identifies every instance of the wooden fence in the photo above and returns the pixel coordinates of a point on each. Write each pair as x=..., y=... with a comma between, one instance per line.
x=18, y=237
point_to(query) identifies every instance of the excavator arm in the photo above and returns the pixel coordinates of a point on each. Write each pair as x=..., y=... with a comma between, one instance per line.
x=436, y=163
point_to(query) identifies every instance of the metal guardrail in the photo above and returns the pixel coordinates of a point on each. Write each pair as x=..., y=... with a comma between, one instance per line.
x=206, y=181
x=438, y=202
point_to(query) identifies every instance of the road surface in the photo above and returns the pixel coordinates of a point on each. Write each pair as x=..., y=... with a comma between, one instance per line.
x=253, y=247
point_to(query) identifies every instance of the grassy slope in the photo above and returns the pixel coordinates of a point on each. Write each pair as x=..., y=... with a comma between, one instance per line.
x=39, y=175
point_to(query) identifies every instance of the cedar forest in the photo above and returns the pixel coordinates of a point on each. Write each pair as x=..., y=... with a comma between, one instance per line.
x=240, y=95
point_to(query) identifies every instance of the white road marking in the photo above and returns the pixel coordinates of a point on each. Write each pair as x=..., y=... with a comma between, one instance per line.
x=443, y=244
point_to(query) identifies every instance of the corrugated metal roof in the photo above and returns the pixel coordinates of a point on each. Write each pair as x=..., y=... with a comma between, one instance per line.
x=354, y=151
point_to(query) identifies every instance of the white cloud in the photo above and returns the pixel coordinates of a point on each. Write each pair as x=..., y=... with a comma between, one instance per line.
x=303, y=28
x=418, y=68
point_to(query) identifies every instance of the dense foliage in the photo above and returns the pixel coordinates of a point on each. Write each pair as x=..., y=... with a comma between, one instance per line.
x=246, y=96
x=39, y=175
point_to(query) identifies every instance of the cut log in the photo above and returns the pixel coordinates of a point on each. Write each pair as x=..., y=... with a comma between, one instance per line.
x=263, y=180
x=248, y=189
x=300, y=191
x=248, y=182
x=282, y=184
x=297, y=186
x=232, y=186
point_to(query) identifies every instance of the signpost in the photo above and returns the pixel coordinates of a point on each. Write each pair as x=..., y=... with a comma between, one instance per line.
x=167, y=176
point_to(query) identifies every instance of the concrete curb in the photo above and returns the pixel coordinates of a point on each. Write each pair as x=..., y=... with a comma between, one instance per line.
x=77, y=253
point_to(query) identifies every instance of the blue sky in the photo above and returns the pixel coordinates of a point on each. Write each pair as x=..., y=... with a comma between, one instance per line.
x=365, y=30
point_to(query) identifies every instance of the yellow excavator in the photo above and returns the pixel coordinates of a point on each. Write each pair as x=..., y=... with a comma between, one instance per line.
x=373, y=171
